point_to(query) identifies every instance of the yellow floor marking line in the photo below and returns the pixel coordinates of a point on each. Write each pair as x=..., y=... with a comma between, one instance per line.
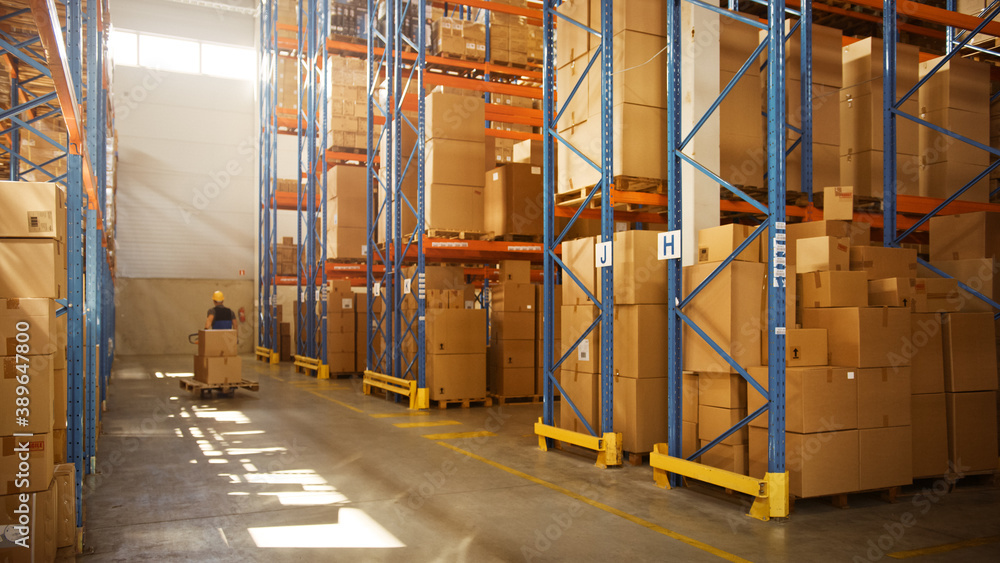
x=426, y=424
x=622, y=514
x=456, y=435
x=332, y=400
x=401, y=414
x=944, y=548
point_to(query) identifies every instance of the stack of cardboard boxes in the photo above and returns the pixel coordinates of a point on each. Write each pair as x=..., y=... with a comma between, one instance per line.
x=827, y=79
x=861, y=106
x=513, y=40
x=345, y=211
x=540, y=337
x=513, y=200
x=33, y=365
x=39, y=151
x=511, y=354
x=455, y=157
x=363, y=330
x=341, y=328
x=957, y=98
x=217, y=360
x=287, y=258
x=580, y=378
x=457, y=38
x=639, y=97
x=348, y=103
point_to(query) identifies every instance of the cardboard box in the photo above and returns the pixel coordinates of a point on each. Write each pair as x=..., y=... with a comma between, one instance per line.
x=64, y=489
x=972, y=430
x=221, y=369
x=891, y=292
x=32, y=210
x=838, y=203
x=859, y=233
x=689, y=403
x=863, y=337
x=821, y=464
x=40, y=462
x=689, y=439
x=640, y=412
x=516, y=271
x=822, y=254
x=728, y=310
x=926, y=353
x=452, y=162
x=455, y=331
x=583, y=390
x=513, y=326
x=341, y=343
x=959, y=84
x=42, y=533
x=883, y=397
x=512, y=354
x=59, y=400
x=817, y=399
x=714, y=421
x=40, y=266
x=511, y=382
x=863, y=62
x=513, y=297
x=864, y=171
x=717, y=243
x=586, y=358
x=38, y=378
x=979, y=274
x=936, y=295
x=728, y=457
x=640, y=277
x=861, y=128
x=342, y=362
x=723, y=390
x=879, y=262
x=513, y=200
x=456, y=376
x=454, y=208
x=528, y=151
x=217, y=343
x=970, y=360
x=938, y=147
x=805, y=347
x=455, y=117
x=886, y=457
x=638, y=349
x=757, y=452
x=965, y=236
x=834, y=289
x=943, y=179
x=930, y=435
x=40, y=314
x=339, y=323
x=578, y=255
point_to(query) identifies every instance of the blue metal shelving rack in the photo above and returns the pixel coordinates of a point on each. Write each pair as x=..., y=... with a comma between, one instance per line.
x=267, y=177
x=389, y=203
x=54, y=50
x=771, y=492
x=311, y=120
x=892, y=110
x=602, y=439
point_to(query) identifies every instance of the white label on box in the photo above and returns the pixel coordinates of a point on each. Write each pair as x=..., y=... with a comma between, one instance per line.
x=850, y=375
x=621, y=226
x=364, y=250
x=347, y=303
x=603, y=257
x=377, y=289
x=496, y=176
x=668, y=245
x=470, y=304
x=406, y=286
x=583, y=351
x=536, y=170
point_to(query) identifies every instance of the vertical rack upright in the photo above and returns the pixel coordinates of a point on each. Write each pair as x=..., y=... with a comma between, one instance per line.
x=267, y=178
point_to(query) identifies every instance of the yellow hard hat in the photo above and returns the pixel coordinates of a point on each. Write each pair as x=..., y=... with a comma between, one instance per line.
x=218, y=296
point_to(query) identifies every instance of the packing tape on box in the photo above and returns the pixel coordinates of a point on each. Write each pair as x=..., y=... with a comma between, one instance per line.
x=13, y=303
x=885, y=375
x=885, y=317
x=885, y=420
x=829, y=376
x=817, y=281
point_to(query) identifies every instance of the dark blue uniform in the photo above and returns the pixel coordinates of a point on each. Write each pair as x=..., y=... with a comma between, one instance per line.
x=223, y=317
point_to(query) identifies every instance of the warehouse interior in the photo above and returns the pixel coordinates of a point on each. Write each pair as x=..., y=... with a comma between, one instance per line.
x=493, y=280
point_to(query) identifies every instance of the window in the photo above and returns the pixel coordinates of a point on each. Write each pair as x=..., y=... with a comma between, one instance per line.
x=176, y=54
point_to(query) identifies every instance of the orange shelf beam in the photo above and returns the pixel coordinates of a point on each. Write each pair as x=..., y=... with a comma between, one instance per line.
x=932, y=14
x=285, y=201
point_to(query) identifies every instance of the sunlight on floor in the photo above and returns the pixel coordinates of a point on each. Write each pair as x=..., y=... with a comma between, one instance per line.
x=355, y=529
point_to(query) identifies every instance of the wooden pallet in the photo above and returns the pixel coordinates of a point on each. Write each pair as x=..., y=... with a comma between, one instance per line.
x=576, y=197
x=842, y=500
x=517, y=238
x=227, y=389
x=525, y=399
x=464, y=403
x=346, y=374
x=635, y=459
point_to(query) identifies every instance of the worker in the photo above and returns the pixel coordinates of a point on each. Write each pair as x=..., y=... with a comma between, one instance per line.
x=220, y=316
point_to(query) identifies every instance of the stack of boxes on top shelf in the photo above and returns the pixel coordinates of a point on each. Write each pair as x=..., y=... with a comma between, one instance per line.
x=513, y=40
x=640, y=361
x=956, y=98
x=861, y=107
x=513, y=201
x=39, y=151
x=639, y=96
x=217, y=361
x=454, y=335
x=33, y=366
x=341, y=327
x=287, y=83
x=346, y=231
x=348, y=104
x=827, y=79
x=511, y=354
x=501, y=150
x=287, y=258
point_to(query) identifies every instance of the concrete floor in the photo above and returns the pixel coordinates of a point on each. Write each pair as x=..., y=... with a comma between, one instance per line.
x=308, y=470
